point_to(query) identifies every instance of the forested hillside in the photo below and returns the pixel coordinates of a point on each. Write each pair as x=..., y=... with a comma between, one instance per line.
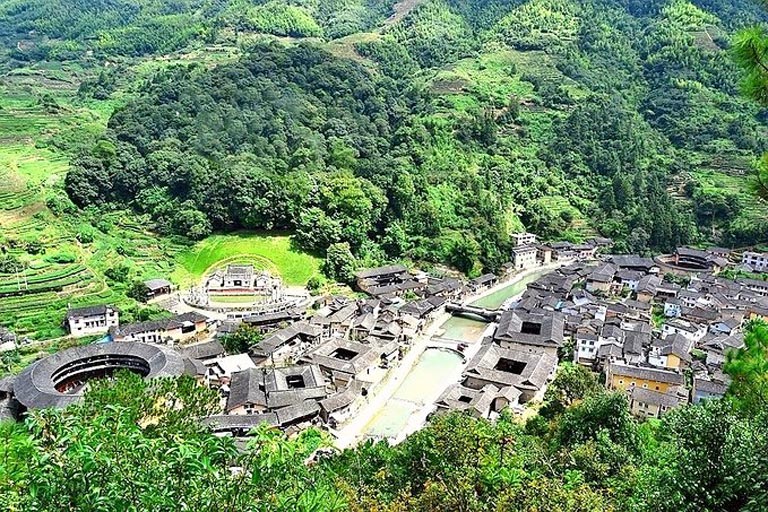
x=446, y=130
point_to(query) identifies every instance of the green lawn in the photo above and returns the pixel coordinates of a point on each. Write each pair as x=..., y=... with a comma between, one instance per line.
x=269, y=252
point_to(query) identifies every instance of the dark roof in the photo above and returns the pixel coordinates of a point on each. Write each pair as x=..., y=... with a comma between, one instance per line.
x=512, y=323
x=205, y=350
x=270, y=318
x=157, y=284
x=632, y=261
x=35, y=386
x=652, y=374
x=239, y=422
x=342, y=398
x=245, y=389
x=101, y=309
x=381, y=271
x=483, y=279
x=651, y=397
x=534, y=368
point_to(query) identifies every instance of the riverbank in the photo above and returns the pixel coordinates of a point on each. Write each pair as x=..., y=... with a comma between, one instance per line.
x=354, y=430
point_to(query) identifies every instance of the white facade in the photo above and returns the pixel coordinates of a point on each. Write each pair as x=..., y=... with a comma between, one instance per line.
x=691, y=331
x=92, y=322
x=672, y=310
x=524, y=238
x=758, y=261
x=525, y=257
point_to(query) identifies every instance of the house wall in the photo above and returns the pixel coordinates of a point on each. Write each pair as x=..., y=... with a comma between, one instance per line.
x=623, y=382
x=92, y=325
x=644, y=297
x=593, y=286
x=644, y=410
x=247, y=409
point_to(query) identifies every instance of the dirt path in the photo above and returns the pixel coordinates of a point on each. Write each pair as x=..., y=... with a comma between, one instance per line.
x=402, y=9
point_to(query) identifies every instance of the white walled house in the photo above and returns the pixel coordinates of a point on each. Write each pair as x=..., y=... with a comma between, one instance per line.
x=92, y=320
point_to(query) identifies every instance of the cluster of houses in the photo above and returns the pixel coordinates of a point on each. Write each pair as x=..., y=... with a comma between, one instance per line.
x=342, y=348
x=658, y=329
x=650, y=329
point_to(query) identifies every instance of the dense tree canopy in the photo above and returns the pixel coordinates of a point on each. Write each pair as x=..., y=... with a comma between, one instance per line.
x=399, y=156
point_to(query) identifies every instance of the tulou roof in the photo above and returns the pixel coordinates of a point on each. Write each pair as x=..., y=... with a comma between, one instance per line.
x=35, y=387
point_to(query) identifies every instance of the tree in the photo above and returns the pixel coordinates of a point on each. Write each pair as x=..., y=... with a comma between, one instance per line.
x=340, y=263
x=748, y=369
x=240, y=341
x=572, y=384
x=137, y=291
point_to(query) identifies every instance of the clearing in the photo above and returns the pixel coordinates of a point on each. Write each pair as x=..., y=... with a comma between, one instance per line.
x=273, y=253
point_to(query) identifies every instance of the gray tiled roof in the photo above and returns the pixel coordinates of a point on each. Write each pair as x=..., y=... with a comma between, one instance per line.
x=35, y=387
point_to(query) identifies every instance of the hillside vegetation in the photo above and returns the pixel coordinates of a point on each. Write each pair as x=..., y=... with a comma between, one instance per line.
x=428, y=137
x=572, y=117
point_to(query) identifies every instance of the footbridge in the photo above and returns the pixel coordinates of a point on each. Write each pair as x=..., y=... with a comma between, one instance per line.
x=466, y=309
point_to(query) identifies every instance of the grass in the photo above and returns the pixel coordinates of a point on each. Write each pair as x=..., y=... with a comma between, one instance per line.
x=273, y=253
x=36, y=144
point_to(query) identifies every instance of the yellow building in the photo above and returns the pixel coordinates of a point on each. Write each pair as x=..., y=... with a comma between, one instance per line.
x=622, y=377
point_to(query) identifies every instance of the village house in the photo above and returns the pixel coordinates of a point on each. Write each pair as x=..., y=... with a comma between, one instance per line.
x=340, y=406
x=756, y=285
x=757, y=261
x=584, y=251
x=503, y=367
x=287, y=343
x=345, y=360
x=267, y=322
x=692, y=331
x=525, y=257
x=157, y=288
x=480, y=403
x=221, y=369
x=524, y=239
x=206, y=352
x=644, y=265
x=382, y=275
x=673, y=308
x=706, y=389
x=587, y=345
x=621, y=376
x=563, y=251
x=91, y=320
x=170, y=331
x=601, y=278
x=647, y=288
x=544, y=254
x=483, y=282
x=646, y=403
x=271, y=389
x=530, y=331
x=696, y=259
x=672, y=352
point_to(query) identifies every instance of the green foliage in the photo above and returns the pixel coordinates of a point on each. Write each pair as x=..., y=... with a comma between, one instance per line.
x=748, y=369
x=242, y=339
x=340, y=263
